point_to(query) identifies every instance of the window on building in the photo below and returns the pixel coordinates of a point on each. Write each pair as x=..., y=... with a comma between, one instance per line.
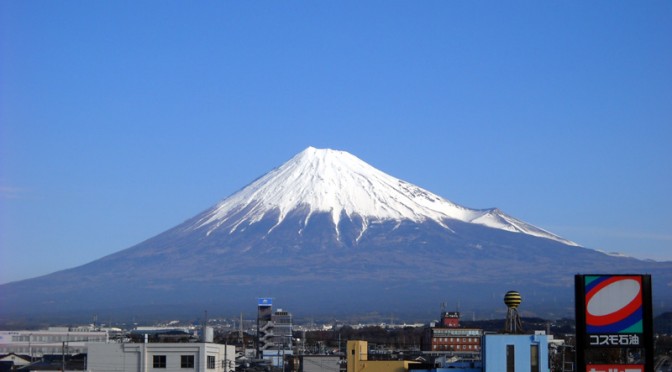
x=159, y=361
x=186, y=361
x=510, y=358
x=211, y=362
x=534, y=358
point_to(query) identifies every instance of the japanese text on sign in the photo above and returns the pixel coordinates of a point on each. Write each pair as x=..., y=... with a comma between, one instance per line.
x=614, y=340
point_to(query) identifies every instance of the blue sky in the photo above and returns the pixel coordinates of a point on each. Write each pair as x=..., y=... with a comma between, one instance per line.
x=121, y=119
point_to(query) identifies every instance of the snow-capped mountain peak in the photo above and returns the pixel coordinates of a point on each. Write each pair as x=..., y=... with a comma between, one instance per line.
x=338, y=183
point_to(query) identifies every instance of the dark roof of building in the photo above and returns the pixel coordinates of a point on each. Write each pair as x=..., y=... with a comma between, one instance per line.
x=51, y=362
x=6, y=366
x=22, y=356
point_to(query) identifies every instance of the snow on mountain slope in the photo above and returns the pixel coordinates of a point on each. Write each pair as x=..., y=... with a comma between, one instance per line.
x=338, y=183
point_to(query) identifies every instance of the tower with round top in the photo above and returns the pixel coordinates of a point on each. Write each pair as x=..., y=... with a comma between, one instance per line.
x=513, y=299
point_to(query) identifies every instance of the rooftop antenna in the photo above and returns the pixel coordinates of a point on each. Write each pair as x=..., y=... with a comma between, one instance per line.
x=513, y=324
x=204, y=328
x=240, y=330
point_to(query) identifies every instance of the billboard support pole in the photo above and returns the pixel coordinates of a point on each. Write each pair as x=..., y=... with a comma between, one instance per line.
x=647, y=322
x=580, y=298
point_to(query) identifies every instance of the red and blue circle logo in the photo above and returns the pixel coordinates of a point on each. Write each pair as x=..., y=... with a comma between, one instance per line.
x=614, y=304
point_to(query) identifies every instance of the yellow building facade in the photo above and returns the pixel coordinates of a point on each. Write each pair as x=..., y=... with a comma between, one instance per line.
x=358, y=360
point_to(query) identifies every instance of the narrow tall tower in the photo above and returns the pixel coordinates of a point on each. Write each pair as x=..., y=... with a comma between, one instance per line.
x=513, y=324
x=264, y=324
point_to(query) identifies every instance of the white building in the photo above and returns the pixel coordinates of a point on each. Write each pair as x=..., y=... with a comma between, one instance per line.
x=55, y=340
x=164, y=357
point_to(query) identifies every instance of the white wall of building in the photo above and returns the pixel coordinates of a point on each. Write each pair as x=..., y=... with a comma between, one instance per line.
x=55, y=340
x=136, y=357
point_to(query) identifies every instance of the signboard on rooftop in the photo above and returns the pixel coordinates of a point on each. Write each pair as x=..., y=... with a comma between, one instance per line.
x=614, y=312
x=266, y=301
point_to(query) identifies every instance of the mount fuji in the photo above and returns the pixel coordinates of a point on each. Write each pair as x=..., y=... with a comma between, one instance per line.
x=344, y=187
x=328, y=234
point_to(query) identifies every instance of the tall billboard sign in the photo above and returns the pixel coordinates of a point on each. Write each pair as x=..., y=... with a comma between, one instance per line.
x=614, y=323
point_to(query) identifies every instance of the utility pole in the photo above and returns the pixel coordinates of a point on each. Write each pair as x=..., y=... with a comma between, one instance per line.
x=339, y=342
x=240, y=331
x=63, y=357
x=204, y=327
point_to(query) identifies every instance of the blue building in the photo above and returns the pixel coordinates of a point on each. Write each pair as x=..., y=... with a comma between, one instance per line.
x=504, y=353
x=510, y=353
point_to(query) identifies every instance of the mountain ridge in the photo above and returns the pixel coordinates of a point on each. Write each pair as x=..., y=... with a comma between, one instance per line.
x=316, y=262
